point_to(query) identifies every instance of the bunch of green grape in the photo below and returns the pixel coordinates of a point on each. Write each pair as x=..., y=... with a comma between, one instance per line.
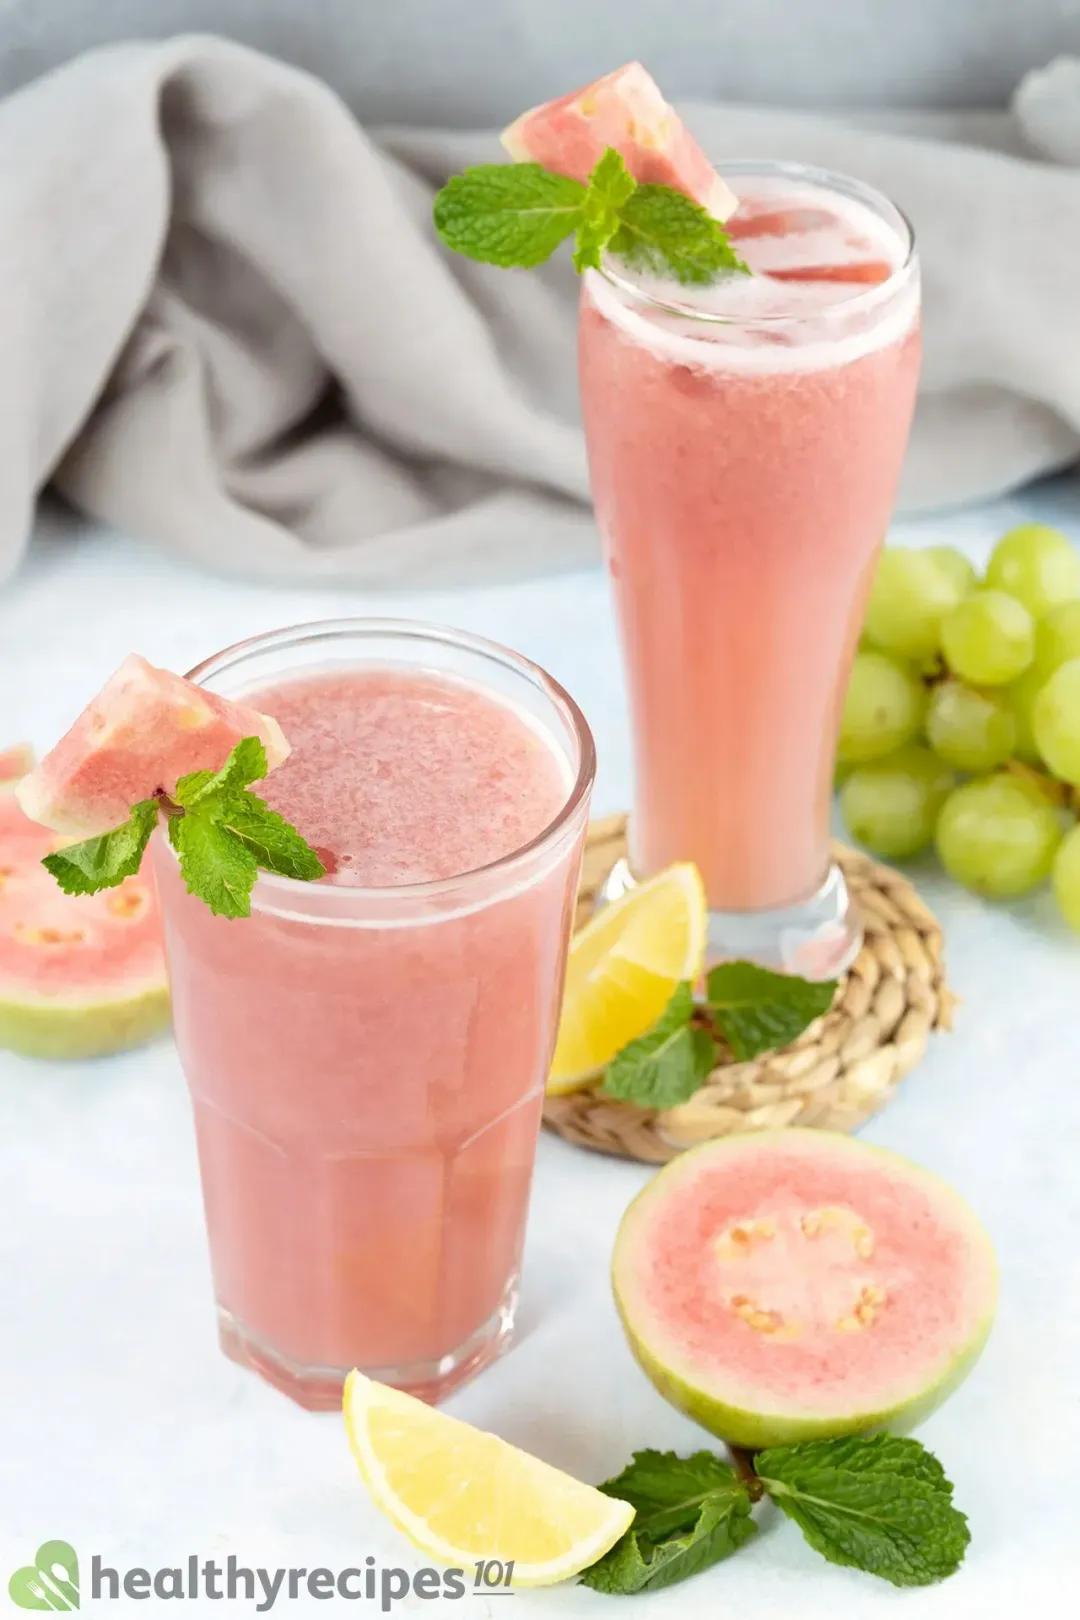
x=961, y=726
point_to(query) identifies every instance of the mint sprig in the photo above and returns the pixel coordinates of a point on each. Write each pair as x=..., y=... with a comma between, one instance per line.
x=873, y=1502
x=751, y=1008
x=690, y=1512
x=517, y=214
x=222, y=833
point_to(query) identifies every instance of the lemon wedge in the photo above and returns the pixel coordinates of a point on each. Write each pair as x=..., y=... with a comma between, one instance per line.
x=464, y=1496
x=623, y=969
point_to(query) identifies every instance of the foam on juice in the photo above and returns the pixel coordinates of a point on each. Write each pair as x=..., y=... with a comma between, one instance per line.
x=410, y=776
x=823, y=268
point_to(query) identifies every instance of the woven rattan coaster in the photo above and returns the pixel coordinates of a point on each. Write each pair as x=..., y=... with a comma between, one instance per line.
x=840, y=1070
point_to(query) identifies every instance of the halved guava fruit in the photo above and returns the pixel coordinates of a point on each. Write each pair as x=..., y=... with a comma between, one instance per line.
x=793, y=1285
x=624, y=109
x=82, y=975
x=145, y=729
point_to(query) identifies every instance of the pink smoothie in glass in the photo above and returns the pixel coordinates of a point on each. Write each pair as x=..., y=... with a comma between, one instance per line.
x=367, y=1055
x=745, y=443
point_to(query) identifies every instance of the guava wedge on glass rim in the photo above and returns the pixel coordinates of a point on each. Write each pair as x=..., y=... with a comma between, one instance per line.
x=791, y=1285
x=80, y=976
x=625, y=109
x=144, y=730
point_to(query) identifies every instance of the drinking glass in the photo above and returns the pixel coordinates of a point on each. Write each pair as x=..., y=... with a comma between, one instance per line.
x=367, y=1065
x=745, y=443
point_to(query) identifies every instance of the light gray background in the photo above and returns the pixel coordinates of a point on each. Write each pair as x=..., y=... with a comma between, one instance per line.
x=478, y=62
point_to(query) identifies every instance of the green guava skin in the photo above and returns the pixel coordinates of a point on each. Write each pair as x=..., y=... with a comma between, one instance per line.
x=38, y=1027
x=756, y=1430
x=87, y=1030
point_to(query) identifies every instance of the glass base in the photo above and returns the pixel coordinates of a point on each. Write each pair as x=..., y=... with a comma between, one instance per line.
x=319, y=1389
x=818, y=938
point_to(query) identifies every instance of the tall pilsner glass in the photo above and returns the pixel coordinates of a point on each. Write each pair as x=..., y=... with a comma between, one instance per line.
x=745, y=443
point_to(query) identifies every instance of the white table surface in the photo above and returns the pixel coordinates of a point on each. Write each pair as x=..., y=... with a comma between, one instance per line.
x=122, y=1428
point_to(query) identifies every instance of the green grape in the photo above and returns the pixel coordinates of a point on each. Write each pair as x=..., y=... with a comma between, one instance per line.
x=910, y=597
x=956, y=566
x=891, y=806
x=1057, y=638
x=988, y=638
x=1037, y=565
x=972, y=730
x=883, y=708
x=1056, y=722
x=1020, y=695
x=1067, y=878
x=997, y=837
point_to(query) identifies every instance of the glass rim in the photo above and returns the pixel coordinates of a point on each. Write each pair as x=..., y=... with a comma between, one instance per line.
x=826, y=179
x=422, y=631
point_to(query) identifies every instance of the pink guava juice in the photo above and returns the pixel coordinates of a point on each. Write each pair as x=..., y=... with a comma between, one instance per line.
x=745, y=444
x=367, y=1055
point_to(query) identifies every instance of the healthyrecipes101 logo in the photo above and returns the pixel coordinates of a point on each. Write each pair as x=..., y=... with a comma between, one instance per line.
x=51, y=1582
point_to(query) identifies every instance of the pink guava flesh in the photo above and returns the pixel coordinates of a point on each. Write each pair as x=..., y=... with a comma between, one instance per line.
x=145, y=729
x=626, y=110
x=788, y=1284
x=80, y=976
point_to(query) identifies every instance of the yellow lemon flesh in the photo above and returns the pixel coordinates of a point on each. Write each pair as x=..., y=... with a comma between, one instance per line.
x=463, y=1496
x=623, y=968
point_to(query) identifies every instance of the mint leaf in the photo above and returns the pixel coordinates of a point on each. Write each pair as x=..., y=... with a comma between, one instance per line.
x=622, y=1570
x=636, y=1564
x=666, y=1490
x=690, y=1512
x=667, y=1065
x=869, y=1453
x=247, y=763
x=592, y=237
x=275, y=845
x=103, y=862
x=663, y=232
x=610, y=184
x=876, y=1503
x=214, y=864
x=191, y=785
x=758, y=1010
x=508, y=213
x=518, y=213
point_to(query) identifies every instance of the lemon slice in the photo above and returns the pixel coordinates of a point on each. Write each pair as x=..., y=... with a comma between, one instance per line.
x=623, y=968
x=463, y=1496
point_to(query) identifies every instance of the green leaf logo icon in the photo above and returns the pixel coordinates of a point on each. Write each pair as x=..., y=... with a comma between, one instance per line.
x=51, y=1582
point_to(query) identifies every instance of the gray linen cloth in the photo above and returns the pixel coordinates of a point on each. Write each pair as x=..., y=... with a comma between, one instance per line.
x=227, y=327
